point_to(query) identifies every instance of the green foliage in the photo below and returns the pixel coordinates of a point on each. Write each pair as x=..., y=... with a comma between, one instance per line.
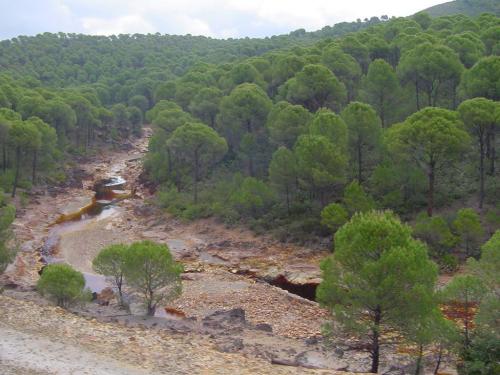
x=364, y=131
x=63, y=284
x=205, y=105
x=330, y=125
x=110, y=262
x=345, y=68
x=465, y=290
x=381, y=88
x=252, y=198
x=436, y=233
x=356, y=199
x=334, y=216
x=423, y=19
x=478, y=115
x=377, y=267
x=152, y=273
x=260, y=95
x=283, y=173
x=314, y=87
x=170, y=119
x=469, y=229
x=468, y=46
x=486, y=268
x=161, y=105
x=482, y=355
x=197, y=146
x=320, y=164
x=286, y=122
x=431, y=328
x=139, y=101
x=241, y=120
x=430, y=66
x=482, y=79
x=467, y=7
x=432, y=138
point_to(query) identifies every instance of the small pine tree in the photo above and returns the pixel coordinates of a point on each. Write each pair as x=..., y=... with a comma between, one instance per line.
x=151, y=271
x=110, y=262
x=378, y=279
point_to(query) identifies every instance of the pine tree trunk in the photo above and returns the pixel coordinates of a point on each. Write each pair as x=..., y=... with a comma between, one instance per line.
x=196, y=175
x=4, y=157
x=492, y=152
x=360, y=162
x=375, y=351
x=119, y=283
x=417, y=92
x=18, y=166
x=151, y=308
x=33, y=173
x=438, y=362
x=287, y=200
x=430, y=198
x=466, y=322
x=250, y=166
x=382, y=111
x=418, y=367
x=481, y=170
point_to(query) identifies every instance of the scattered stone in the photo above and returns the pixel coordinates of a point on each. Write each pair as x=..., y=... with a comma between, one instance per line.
x=264, y=327
x=231, y=346
x=311, y=340
x=225, y=318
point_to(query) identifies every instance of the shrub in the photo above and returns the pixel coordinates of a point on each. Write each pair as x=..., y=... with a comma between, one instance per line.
x=469, y=230
x=334, y=216
x=253, y=197
x=63, y=284
x=435, y=232
x=448, y=262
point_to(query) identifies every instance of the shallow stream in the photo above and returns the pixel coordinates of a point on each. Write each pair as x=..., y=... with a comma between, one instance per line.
x=101, y=206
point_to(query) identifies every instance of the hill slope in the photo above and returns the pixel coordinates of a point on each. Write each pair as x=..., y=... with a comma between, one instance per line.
x=470, y=8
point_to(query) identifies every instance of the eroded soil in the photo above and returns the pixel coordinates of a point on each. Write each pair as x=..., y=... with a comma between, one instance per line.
x=226, y=268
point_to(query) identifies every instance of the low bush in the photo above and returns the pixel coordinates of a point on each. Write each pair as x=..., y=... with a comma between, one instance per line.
x=63, y=284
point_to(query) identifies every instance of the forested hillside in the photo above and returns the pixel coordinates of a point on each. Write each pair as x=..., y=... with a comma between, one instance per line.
x=137, y=62
x=471, y=8
x=381, y=134
x=298, y=141
x=271, y=131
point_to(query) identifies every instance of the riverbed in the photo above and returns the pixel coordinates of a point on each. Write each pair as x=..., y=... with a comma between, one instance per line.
x=225, y=267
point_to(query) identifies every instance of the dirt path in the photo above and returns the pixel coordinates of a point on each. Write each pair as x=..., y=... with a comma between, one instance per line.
x=38, y=339
x=28, y=353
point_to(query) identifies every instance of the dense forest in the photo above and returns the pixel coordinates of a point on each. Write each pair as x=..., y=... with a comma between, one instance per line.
x=472, y=8
x=297, y=141
x=297, y=135
x=290, y=134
